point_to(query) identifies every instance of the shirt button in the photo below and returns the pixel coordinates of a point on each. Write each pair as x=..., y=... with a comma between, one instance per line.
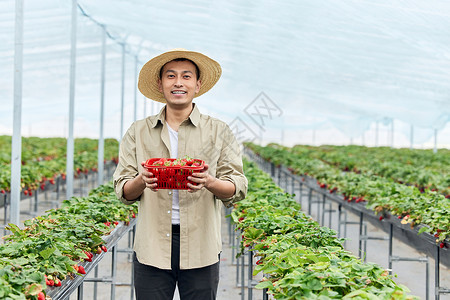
x=168, y=234
x=168, y=211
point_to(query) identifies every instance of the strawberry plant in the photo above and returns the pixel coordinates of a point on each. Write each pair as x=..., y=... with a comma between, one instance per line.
x=383, y=195
x=44, y=159
x=301, y=259
x=52, y=247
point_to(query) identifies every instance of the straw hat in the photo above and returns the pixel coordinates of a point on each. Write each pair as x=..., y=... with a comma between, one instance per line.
x=210, y=72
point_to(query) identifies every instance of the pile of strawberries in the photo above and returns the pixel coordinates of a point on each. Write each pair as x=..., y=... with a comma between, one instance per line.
x=179, y=162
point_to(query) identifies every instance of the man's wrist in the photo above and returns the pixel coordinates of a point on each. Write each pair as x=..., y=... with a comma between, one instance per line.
x=209, y=181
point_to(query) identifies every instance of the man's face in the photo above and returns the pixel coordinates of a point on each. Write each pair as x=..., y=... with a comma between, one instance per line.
x=179, y=83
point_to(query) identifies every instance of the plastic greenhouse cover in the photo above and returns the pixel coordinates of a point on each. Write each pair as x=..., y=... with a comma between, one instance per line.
x=287, y=65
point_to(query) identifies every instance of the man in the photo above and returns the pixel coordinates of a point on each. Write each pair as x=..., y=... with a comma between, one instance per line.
x=178, y=235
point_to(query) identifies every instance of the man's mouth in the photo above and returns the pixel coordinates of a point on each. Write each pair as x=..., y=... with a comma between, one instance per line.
x=178, y=92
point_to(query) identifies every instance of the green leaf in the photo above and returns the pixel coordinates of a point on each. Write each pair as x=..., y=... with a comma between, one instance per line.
x=47, y=252
x=264, y=285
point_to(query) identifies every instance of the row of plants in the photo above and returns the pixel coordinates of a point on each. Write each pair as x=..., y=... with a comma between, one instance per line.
x=44, y=159
x=426, y=209
x=422, y=168
x=299, y=258
x=57, y=246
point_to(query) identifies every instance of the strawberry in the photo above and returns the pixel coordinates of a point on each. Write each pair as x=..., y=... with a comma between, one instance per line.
x=133, y=215
x=116, y=223
x=51, y=282
x=81, y=270
x=99, y=250
x=25, y=192
x=75, y=267
x=41, y=296
x=381, y=218
x=2, y=191
x=259, y=262
x=57, y=282
x=104, y=248
x=42, y=186
x=442, y=245
x=108, y=224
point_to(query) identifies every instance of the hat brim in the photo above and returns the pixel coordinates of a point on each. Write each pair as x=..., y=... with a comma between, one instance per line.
x=210, y=72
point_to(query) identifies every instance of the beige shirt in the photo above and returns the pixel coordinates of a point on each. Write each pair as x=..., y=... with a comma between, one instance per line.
x=199, y=136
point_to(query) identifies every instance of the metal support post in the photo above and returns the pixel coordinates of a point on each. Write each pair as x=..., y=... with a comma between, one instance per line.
x=80, y=292
x=16, y=142
x=265, y=296
x=339, y=219
x=301, y=193
x=436, y=273
x=70, y=139
x=113, y=272
x=361, y=217
x=365, y=238
x=250, y=275
x=322, y=221
x=242, y=276
x=36, y=203
x=279, y=176
x=292, y=184
x=391, y=235
x=122, y=97
x=101, y=142
x=95, y=282
x=437, y=289
x=309, y=201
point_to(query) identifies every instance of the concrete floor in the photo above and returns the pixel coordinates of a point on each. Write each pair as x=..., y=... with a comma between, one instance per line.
x=411, y=274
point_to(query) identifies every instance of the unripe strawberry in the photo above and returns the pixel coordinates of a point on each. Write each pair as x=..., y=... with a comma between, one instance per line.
x=57, y=282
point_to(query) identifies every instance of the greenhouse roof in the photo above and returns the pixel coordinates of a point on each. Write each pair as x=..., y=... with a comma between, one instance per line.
x=313, y=64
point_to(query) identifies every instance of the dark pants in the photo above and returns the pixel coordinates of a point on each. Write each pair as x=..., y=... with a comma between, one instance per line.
x=156, y=284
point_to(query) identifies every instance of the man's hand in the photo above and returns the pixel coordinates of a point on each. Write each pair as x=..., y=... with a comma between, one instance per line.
x=148, y=179
x=202, y=178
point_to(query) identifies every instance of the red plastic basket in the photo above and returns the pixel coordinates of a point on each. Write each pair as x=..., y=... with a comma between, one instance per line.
x=172, y=177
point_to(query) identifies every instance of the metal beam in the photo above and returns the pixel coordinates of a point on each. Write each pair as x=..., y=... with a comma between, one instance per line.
x=70, y=139
x=16, y=143
x=135, y=87
x=123, y=92
x=101, y=142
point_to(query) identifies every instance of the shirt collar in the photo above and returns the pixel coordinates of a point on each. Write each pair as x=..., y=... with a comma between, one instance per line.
x=194, y=117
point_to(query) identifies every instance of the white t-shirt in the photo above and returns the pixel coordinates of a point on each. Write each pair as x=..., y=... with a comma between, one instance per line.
x=173, y=154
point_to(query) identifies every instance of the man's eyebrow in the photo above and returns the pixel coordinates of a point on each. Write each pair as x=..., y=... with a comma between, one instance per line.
x=173, y=71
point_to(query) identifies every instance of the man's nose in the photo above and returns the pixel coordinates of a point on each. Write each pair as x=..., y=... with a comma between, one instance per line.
x=178, y=82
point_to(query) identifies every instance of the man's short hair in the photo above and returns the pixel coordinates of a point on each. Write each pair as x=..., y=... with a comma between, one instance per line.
x=197, y=70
